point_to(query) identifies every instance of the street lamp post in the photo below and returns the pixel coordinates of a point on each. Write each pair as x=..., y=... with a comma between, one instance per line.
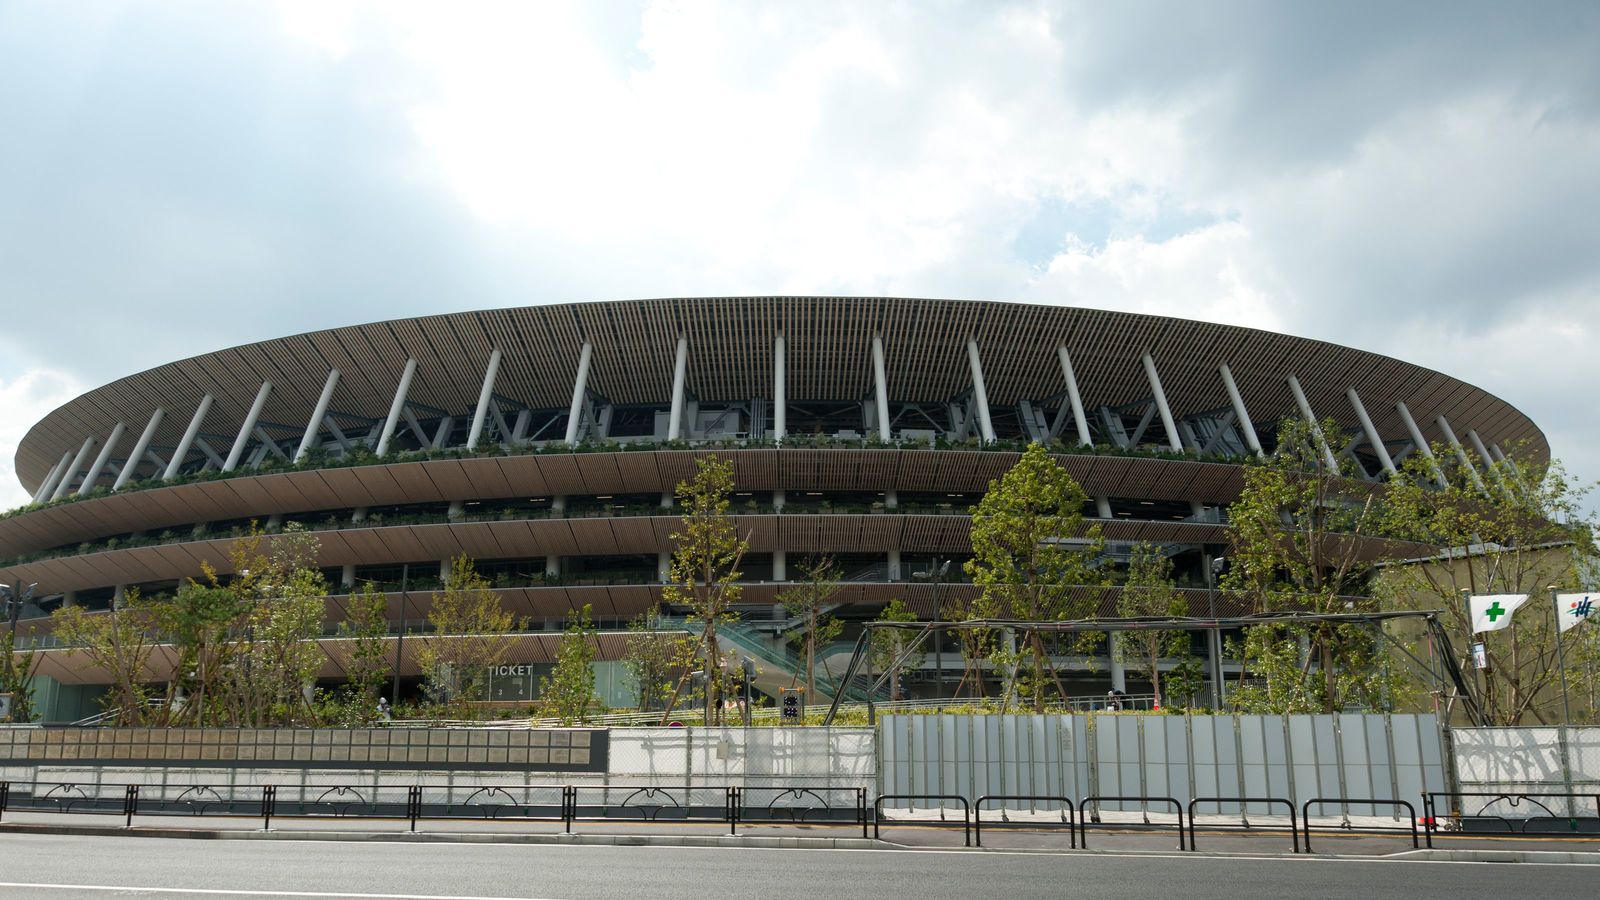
x=1214, y=571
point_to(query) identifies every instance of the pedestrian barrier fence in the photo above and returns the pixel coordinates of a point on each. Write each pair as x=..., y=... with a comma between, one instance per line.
x=1346, y=802
x=1478, y=811
x=1032, y=800
x=966, y=812
x=1244, y=805
x=1143, y=803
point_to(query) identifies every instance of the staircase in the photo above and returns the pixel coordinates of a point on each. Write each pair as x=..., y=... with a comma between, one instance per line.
x=777, y=668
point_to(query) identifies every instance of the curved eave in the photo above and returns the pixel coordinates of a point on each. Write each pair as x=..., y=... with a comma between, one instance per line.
x=731, y=357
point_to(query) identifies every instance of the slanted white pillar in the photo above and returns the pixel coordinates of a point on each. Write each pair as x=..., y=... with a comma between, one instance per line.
x=680, y=374
x=1311, y=419
x=318, y=413
x=77, y=463
x=48, y=486
x=1483, y=455
x=187, y=441
x=1074, y=397
x=1246, y=427
x=100, y=461
x=139, y=447
x=485, y=399
x=780, y=392
x=1461, y=454
x=1102, y=507
x=1373, y=438
x=1418, y=441
x=1161, y=404
x=980, y=393
x=397, y=408
x=880, y=382
x=580, y=386
x=249, y=425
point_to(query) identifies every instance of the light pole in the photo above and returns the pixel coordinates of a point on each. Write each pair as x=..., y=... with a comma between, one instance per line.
x=1214, y=571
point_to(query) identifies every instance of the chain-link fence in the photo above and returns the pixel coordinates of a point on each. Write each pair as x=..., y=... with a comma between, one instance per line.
x=1526, y=773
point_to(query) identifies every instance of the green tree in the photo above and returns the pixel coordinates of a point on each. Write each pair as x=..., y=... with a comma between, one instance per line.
x=119, y=642
x=1523, y=531
x=365, y=630
x=705, y=573
x=471, y=633
x=655, y=659
x=888, y=645
x=1032, y=555
x=1300, y=541
x=1149, y=591
x=568, y=690
x=811, y=599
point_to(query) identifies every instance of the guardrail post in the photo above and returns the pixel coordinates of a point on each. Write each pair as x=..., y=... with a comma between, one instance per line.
x=569, y=807
x=269, y=804
x=5, y=796
x=861, y=809
x=414, y=805
x=731, y=809
x=130, y=804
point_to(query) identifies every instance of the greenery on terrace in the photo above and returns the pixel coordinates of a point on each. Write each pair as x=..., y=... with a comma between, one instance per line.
x=362, y=456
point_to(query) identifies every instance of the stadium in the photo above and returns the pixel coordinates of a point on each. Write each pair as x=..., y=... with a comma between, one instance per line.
x=545, y=442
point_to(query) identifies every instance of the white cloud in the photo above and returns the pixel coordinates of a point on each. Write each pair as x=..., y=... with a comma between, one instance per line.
x=1407, y=183
x=24, y=400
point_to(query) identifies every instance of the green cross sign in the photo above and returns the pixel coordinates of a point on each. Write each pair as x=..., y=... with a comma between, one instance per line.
x=1494, y=611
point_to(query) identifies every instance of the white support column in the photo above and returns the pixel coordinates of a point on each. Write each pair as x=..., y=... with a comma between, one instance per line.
x=780, y=565
x=485, y=399
x=664, y=566
x=139, y=447
x=397, y=408
x=1119, y=674
x=1418, y=441
x=48, y=486
x=780, y=391
x=552, y=566
x=1373, y=438
x=579, y=386
x=72, y=469
x=100, y=461
x=1102, y=507
x=1074, y=397
x=880, y=382
x=894, y=565
x=1161, y=404
x=980, y=392
x=1311, y=419
x=318, y=413
x=182, y=450
x=680, y=374
x=249, y=425
x=1461, y=454
x=347, y=577
x=1484, y=457
x=1246, y=427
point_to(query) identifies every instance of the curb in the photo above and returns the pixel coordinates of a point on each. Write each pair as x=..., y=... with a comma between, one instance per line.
x=1538, y=857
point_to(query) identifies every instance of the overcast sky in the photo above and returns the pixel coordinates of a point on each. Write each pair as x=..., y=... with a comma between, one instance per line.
x=1420, y=180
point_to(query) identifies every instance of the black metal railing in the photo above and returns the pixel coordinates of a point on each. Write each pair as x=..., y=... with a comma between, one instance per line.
x=803, y=804
x=1244, y=802
x=1305, y=815
x=1431, y=813
x=966, y=813
x=1084, y=819
x=1067, y=808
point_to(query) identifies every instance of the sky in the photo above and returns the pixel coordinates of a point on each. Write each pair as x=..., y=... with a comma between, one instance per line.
x=1416, y=179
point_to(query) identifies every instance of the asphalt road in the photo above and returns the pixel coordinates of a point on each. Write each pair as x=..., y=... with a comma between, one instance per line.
x=70, y=866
